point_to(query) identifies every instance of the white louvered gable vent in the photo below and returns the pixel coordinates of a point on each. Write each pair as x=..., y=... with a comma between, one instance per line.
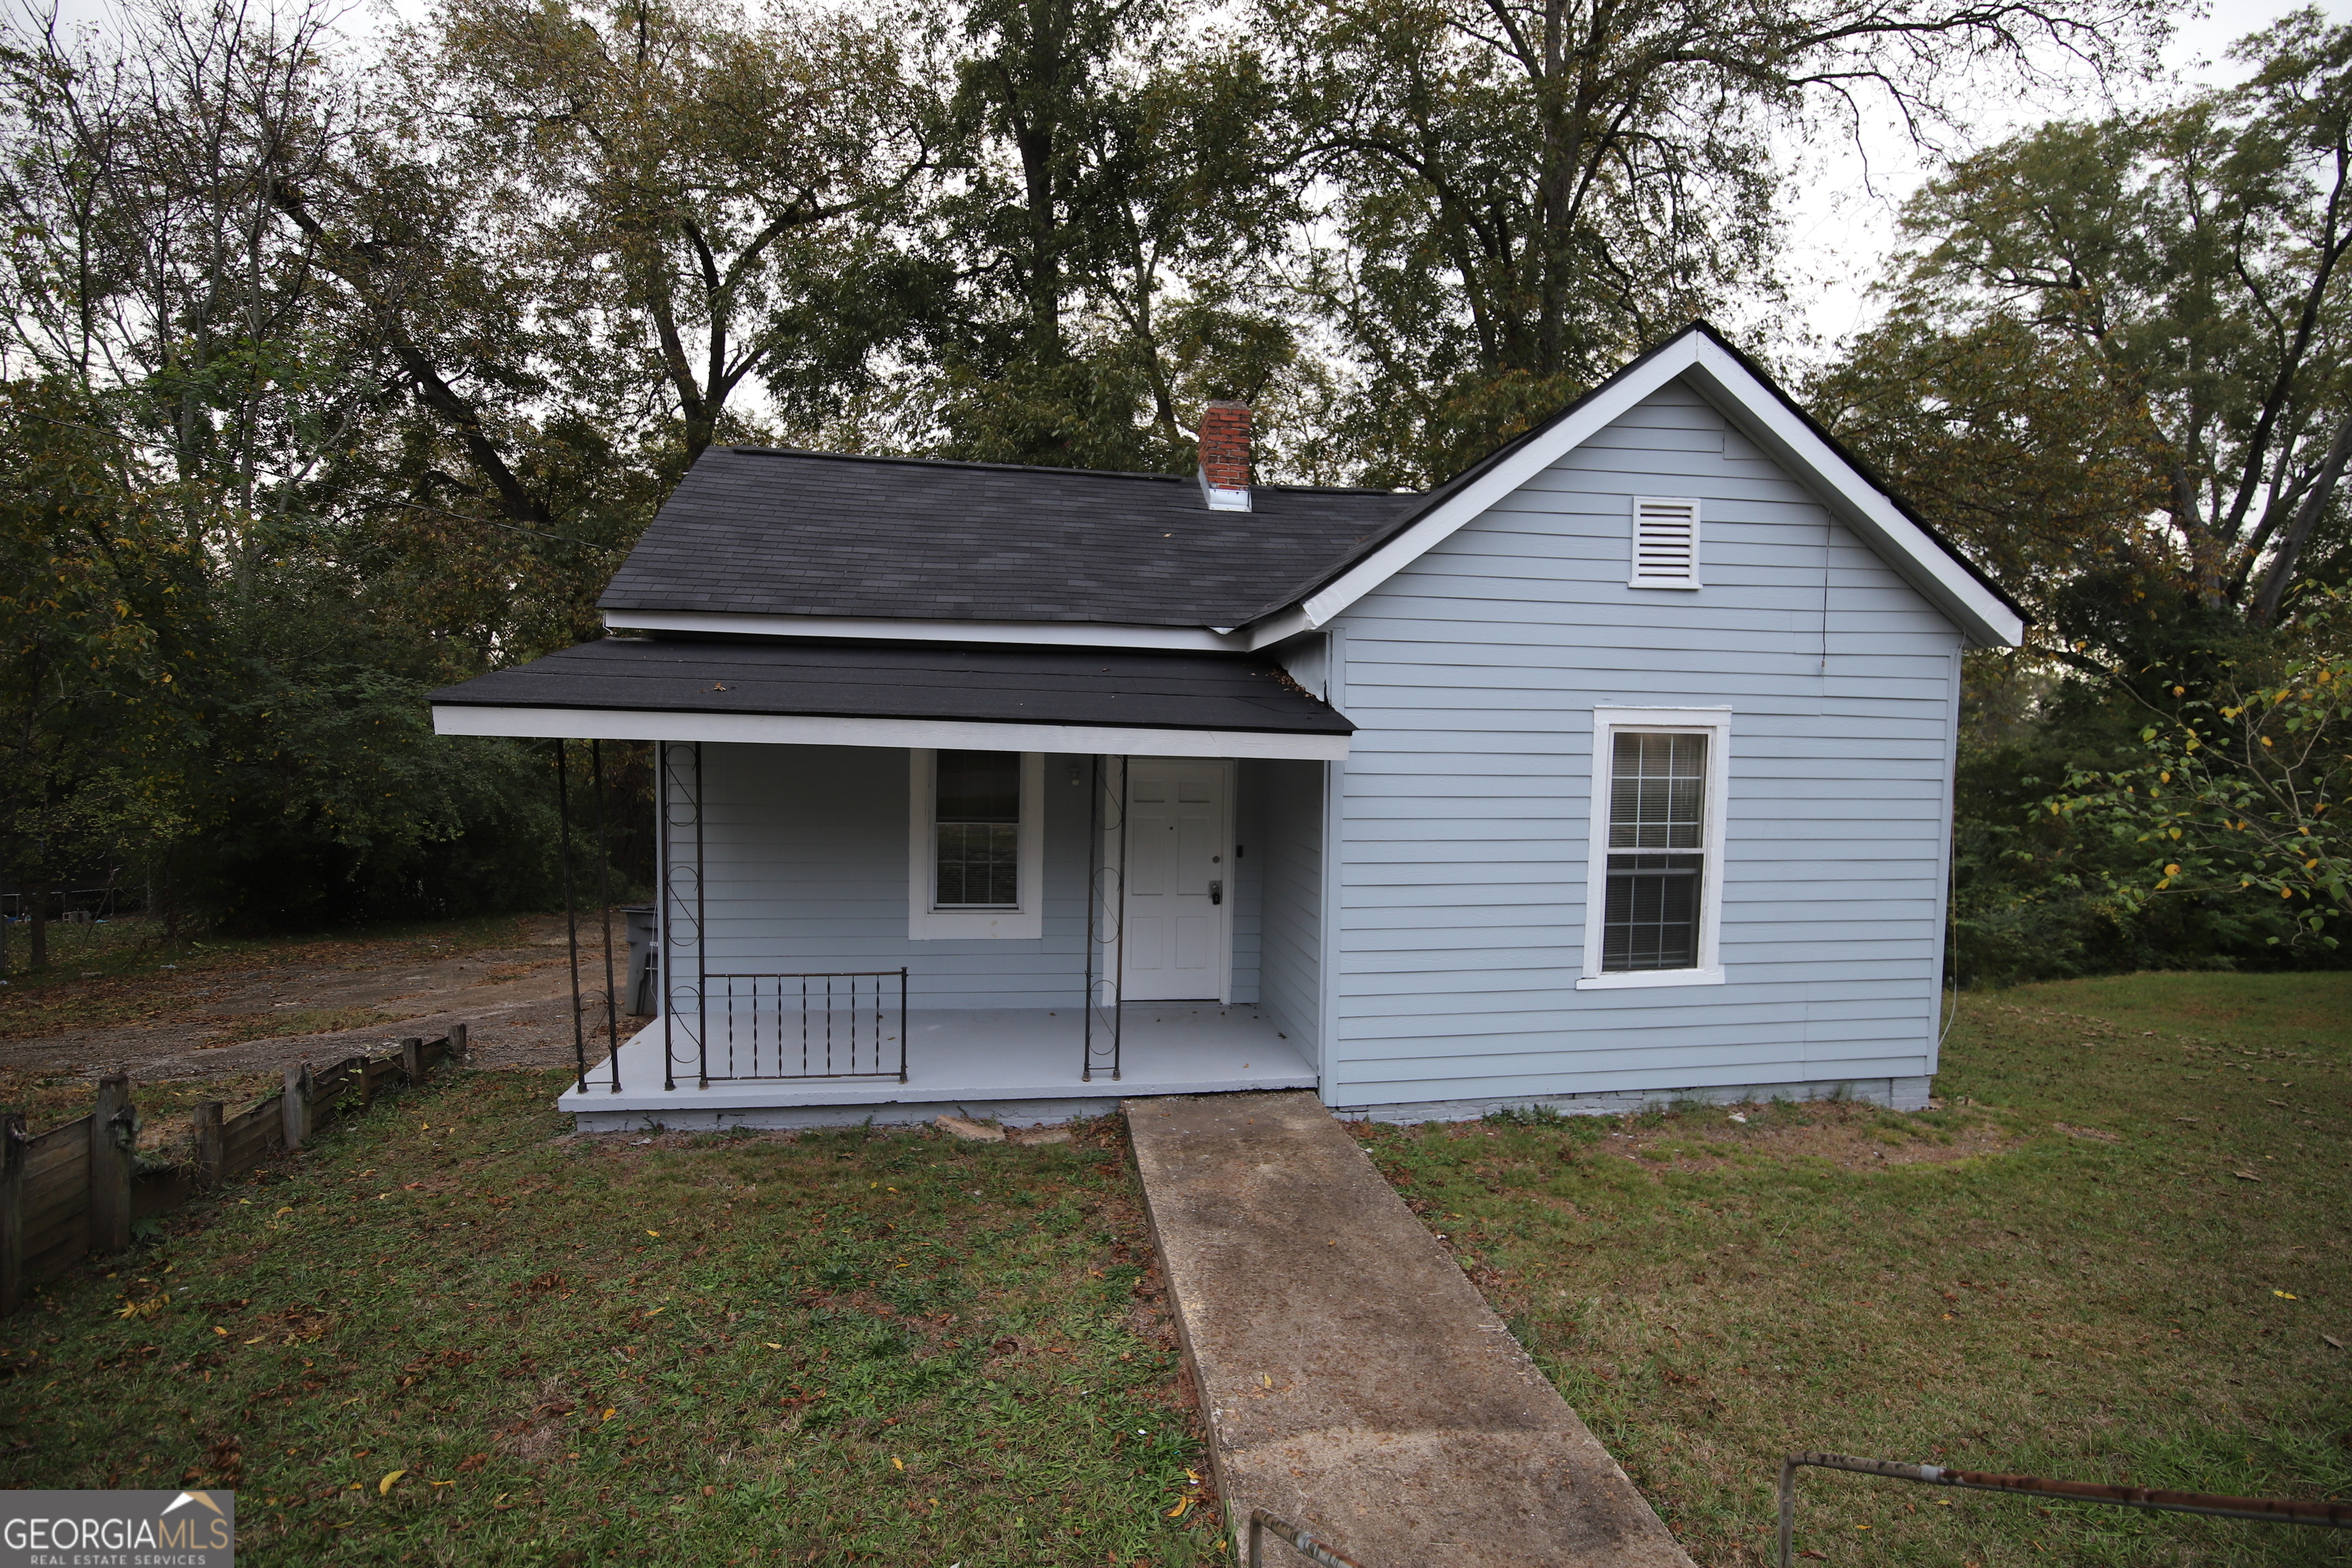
x=1665, y=542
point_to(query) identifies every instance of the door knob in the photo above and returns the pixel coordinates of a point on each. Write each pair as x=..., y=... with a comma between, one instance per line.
x=1216, y=892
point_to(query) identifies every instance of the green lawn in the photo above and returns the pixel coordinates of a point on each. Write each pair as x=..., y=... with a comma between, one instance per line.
x=2063, y=1273
x=448, y=1334
x=894, y=1348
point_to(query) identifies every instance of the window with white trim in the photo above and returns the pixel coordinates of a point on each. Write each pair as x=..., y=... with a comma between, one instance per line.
x=1665, y=542
x=975, y=844
x=1654, y=902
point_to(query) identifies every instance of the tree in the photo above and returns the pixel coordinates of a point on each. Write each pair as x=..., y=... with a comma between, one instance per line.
x=101, y=616
x=711, y=191
x=2118, y=363
x=1113, y=194
x=2241, y=797
x=1529, y=192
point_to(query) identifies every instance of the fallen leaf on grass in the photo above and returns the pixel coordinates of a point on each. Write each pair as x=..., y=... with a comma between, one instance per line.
x=2245, y=1176
x=610, y=1413
x=896, y=1463
x=2286, y=1295
x=2332, y=1340
x=1183, y=1503
x=383, y=1486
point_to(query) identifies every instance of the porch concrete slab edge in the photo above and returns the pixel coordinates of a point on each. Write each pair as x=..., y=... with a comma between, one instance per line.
x=1353, y=1379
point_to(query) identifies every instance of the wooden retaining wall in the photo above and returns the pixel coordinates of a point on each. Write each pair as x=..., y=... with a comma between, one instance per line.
x=79, y=1189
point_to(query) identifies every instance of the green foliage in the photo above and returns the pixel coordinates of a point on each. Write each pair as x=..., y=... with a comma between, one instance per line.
x=2115, y=363
x=2239, y=798
x=102, y=616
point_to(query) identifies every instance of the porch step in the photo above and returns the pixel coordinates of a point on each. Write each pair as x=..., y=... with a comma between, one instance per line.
x=1355, y=1382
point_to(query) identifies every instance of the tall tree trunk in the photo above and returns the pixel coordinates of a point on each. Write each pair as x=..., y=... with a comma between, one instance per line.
x=2276, y=580
x=37, y=941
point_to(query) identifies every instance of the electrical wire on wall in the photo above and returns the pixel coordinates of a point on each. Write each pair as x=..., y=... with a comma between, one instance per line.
x=1828, y=527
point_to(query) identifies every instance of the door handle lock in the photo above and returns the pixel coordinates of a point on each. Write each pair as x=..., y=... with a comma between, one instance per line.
x=1216, y=890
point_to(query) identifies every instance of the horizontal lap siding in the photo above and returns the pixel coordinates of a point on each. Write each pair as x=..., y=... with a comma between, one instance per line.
x=805, y=853
x=1465, y=801
x=1288, y=854
x=805, y=849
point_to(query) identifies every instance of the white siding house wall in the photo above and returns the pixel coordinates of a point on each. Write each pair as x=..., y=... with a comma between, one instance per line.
x=1471, y=676
x=1286, y=851
x=806, y=854
x=805, y=849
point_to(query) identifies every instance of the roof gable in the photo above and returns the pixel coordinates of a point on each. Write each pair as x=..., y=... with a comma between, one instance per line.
x=1754, y=406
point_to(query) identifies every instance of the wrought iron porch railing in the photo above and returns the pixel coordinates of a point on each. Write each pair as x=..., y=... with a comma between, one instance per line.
x=847, y=1024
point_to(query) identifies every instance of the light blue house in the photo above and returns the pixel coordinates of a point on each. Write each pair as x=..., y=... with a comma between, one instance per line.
x=1617, y=769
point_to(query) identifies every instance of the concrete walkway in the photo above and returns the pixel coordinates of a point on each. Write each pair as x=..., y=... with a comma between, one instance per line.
x=1354, y=1380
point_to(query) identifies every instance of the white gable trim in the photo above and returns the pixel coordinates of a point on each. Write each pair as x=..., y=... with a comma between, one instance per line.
x=1758, y=414
x=957, y=734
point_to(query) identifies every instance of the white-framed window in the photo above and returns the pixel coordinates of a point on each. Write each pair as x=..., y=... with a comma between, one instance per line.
x=1665, y=542
x=975, y=844
x=1654, y=896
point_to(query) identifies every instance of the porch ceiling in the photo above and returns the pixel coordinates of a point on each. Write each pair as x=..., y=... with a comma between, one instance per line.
x=1036, y=699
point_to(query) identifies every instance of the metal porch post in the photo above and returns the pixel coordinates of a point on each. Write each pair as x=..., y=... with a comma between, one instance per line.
x=605, y=902
x=571, y=913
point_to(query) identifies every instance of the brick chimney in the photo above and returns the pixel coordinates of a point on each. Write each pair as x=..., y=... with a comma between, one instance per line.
x=1225, y=456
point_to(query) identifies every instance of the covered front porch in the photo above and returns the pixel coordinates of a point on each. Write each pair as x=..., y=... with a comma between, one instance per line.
x=1015, y=921
x=1018, y=1064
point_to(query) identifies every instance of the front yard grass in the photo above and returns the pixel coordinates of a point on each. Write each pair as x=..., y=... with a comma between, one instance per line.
x=448, y=1333
x=2120, y=1253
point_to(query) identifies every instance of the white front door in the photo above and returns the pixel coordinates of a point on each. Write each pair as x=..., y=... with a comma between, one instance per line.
x=1178, y=940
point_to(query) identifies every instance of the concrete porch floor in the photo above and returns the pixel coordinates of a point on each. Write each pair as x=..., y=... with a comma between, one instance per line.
x=1017, y=1065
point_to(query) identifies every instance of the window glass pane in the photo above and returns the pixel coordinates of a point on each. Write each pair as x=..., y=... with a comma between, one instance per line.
x=977, y=828
x=1657, y=792
x=979, y=865
x=979, y=786
x=1650, y=917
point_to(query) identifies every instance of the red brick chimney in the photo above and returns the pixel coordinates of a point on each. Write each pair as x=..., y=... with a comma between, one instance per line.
x=1225, y=456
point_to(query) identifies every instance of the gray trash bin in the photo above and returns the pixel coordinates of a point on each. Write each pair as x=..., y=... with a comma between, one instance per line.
x=643, y=992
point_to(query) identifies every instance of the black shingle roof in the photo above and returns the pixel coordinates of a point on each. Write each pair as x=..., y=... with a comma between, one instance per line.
x=762, y=531
x=895, y=680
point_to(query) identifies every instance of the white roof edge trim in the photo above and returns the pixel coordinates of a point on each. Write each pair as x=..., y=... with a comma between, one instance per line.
x=1869, y=511
x=1031, y=634
x=1753, y=407
x=784, y=730
x=1280, y=626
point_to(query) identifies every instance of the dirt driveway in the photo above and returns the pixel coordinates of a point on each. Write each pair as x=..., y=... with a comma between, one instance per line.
x=321, y=1000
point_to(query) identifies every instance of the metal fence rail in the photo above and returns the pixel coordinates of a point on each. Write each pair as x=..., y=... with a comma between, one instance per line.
x=845, y=1024
x=2275, y=1511
x=1261, y=1523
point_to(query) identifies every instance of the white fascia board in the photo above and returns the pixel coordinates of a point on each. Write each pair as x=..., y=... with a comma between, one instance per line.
x=1610, y=402
x=1280, y=626
x=799, y=730
x=1759, y=415
x=1861, y=505
x=1031, y=634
